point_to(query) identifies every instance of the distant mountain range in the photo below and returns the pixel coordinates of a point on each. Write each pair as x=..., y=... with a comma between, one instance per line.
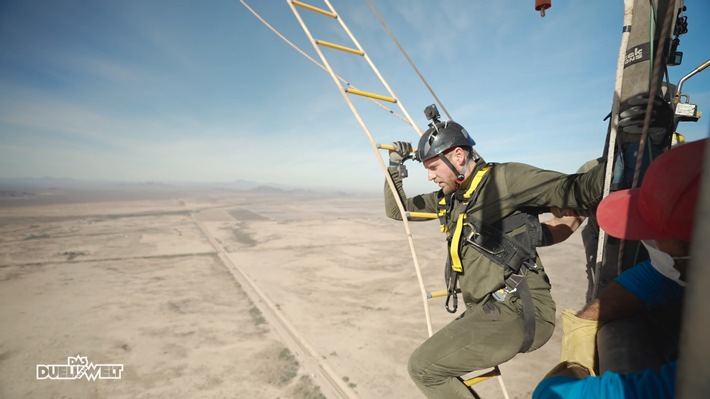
x=33, y=186
x=69, y=183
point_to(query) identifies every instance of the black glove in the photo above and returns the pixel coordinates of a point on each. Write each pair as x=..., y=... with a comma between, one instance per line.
x=632, y=114
x=402, y=151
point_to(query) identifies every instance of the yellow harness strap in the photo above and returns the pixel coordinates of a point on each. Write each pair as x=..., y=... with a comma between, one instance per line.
x=442, y=215
x=456, y=238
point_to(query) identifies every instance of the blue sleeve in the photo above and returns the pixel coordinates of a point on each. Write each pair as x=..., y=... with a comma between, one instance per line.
x=648, y=384
x=650, y=286
x=575, y=388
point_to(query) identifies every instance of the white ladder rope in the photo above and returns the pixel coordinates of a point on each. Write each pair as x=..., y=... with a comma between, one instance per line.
x=373, y=144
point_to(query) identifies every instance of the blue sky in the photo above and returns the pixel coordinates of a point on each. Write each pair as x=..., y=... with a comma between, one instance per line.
x=187, y=91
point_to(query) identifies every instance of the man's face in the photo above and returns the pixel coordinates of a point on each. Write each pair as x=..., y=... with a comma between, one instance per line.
x=441, y=174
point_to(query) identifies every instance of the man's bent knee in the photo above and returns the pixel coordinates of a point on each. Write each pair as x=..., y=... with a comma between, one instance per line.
x=421, y=372
x=416, y=368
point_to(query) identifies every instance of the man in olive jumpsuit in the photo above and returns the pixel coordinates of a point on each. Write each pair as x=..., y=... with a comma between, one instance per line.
x=486, y=208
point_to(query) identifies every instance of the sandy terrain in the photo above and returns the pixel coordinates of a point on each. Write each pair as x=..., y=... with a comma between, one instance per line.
x=232, y=296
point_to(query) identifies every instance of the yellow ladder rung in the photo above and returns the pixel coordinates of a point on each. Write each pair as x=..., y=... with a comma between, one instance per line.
x=475, y=380
x=422, y=215
x=439, y=294
x=371, y=95
x=314, y=9
x=391, y=148
x=339, y=47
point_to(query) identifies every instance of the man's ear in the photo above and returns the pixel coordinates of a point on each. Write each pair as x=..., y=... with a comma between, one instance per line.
x=460, y=156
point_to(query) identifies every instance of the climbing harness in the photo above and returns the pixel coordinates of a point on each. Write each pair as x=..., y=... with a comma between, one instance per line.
x=515, y=254
x=509, y=243
x=453, y=261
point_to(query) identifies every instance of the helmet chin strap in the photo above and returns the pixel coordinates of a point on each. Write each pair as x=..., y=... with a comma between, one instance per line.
x=459, y=175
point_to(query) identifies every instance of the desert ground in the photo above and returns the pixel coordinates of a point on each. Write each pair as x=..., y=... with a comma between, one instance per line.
x=231, y=294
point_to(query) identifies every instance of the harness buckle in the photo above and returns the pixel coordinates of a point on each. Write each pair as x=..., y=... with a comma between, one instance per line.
x=511, y=285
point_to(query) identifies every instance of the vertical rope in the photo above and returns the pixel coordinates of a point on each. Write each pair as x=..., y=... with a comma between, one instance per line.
x=658, y=68
x=401, y=49
x=654, y=86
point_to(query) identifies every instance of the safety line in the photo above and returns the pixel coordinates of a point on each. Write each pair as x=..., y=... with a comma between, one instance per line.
x=401, y=49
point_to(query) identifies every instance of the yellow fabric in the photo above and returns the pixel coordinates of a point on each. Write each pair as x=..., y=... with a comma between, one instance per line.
x=579, y=340
x=454, y=247
x=476, y=181
x=442, y=215
x=456, y=237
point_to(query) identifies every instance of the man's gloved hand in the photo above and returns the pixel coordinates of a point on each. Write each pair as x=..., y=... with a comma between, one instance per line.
x=633, y=111
x=402, y=150
x=579, y=340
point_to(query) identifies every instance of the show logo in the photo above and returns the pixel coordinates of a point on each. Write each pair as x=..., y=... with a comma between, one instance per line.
x=79, y=367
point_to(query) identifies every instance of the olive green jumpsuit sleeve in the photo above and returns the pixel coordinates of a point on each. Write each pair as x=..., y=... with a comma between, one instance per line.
x=542, y=188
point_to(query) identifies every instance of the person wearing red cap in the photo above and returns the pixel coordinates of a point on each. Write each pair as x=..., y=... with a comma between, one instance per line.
x=661, y=214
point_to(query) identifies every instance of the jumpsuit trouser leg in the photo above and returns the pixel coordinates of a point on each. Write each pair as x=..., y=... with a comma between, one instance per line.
x=483, y=337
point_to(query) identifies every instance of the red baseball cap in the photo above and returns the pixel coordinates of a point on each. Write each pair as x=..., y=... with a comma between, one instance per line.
x=663, y=207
